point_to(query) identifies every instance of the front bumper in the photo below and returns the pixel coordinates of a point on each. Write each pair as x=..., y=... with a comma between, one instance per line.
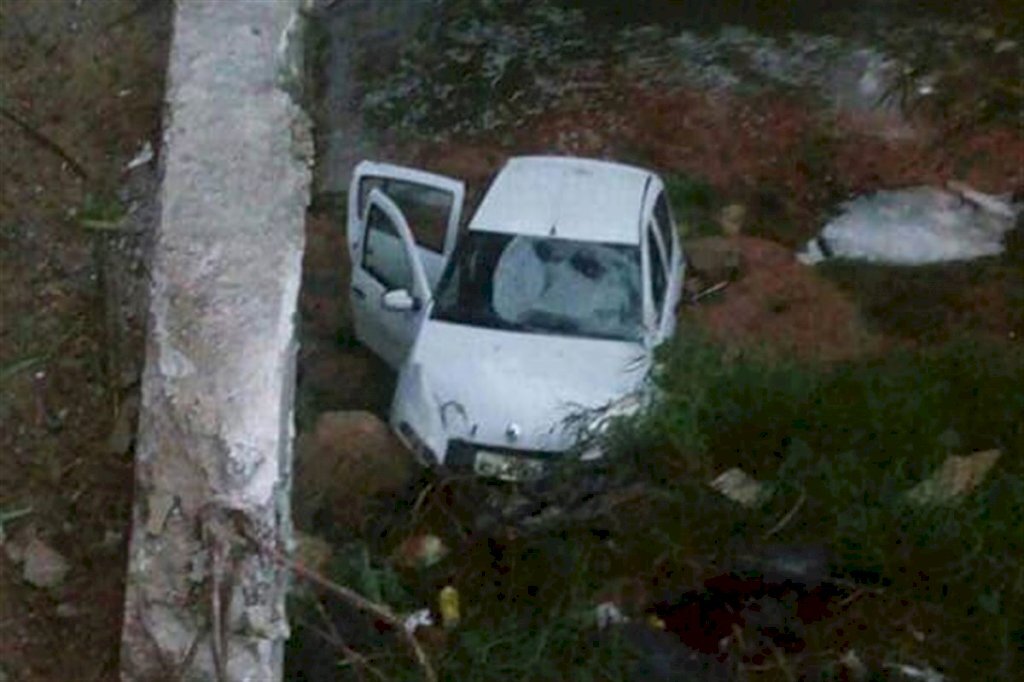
x=508, y=464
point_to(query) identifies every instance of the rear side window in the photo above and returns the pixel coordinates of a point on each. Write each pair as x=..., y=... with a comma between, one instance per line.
x=426, y=209
x=658, y=279
x=384, y=255
x=663, y=218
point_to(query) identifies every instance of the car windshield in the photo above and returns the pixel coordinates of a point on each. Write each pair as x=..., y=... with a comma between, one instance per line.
x=543, y=285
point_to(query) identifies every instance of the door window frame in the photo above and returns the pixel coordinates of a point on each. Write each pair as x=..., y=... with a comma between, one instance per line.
x=370, y=269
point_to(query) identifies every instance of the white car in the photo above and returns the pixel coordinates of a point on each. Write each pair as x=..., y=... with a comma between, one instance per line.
x=548, y=306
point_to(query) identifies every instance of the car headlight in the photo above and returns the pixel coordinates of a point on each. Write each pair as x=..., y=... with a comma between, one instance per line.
x=416, y=418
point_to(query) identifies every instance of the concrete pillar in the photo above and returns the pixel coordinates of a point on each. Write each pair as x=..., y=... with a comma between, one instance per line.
x=214, y=447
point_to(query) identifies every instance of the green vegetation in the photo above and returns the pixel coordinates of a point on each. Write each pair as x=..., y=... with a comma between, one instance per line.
x=694, y=203
x=936, y=303
x=838, y=444
x=853, y=439
x=484, y=63
x=973, y=73
x=101, y=212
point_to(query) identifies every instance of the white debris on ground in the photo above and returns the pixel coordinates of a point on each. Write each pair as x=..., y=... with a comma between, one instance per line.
x=913, y=672
x=915, y=226
x=740, y=487
x=956, y=478
x=607, y=614
x=144, y=156
x=418, y=619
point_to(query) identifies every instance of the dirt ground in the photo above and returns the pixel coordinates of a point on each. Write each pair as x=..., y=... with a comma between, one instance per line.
x=82, y=87
x=82, y=90
x=788, y=165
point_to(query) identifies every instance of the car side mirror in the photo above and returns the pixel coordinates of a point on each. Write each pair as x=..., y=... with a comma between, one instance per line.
x=399, y=300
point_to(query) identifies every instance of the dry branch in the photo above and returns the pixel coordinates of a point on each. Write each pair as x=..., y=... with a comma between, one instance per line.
x=44, y=141
x=360, y=602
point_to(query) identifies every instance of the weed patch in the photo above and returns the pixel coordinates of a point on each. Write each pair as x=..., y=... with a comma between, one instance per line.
x=837, y=447
x=488, y=62
x=694, y=203
x=936, y=303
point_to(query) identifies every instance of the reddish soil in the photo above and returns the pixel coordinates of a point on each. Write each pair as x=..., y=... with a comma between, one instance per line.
x=782, y=306
x=745, y=147
x=87, y=77
x=789, y=165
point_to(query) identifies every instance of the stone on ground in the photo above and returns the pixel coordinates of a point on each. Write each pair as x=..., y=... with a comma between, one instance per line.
x=44, y=567
x=714, y=259
x=732, y=219
x=955, y=479
x=349, y=458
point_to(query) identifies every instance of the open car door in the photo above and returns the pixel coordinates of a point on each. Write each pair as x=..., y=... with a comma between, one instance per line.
x=402, y=226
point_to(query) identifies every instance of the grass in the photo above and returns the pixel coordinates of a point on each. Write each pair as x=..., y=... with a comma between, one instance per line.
x=849, y=439
x=853, y=439
x=481, y=64
x=694, y=204
x=935, y=303
x=101, y=212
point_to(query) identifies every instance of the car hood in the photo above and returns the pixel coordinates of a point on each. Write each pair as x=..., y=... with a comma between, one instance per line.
x=490, y=384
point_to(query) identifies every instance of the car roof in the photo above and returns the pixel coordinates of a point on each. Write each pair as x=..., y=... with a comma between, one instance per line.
x=565, y=197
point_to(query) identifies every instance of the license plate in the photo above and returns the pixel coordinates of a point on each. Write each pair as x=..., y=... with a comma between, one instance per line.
x=507, y=467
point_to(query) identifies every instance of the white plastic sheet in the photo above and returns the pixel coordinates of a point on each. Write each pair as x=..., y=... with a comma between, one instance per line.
x=915, y=226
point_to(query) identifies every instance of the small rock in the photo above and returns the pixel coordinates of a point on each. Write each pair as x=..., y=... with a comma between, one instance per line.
x=349, y=458
x=957, y=477
x=67, y=611
x=421, y=551
x=44, y=566
x=732, y=218
x=740, y=487
x=714, y=259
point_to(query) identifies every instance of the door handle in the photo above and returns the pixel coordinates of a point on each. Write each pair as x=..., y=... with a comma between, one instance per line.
x=359, y=292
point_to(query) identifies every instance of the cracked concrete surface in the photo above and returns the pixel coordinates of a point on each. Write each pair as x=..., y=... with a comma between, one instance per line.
x=214, y=450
